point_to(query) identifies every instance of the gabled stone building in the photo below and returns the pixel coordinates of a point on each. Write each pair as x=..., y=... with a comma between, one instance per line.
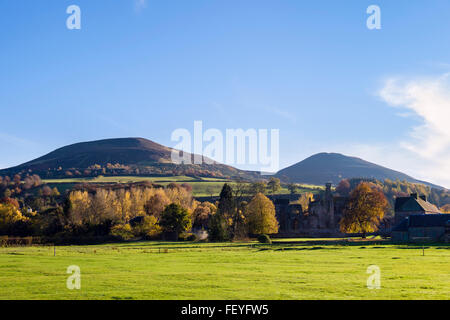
x=412, y=205
x=417, y=220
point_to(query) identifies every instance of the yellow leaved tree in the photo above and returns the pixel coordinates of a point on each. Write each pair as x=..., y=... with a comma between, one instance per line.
x=9, y=214
x=260, y=215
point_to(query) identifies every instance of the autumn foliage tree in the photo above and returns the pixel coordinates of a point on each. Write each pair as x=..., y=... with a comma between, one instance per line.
x=343, y=187
x=156, y=203
x=274, y=185
x=364, y=211
x=258, y=187
x=148, y=227
x=445, y=208
x=292, y=187
x=9, y=216
x=202, y=213
x=110, y=210
x=122, y=205
x=260, y=215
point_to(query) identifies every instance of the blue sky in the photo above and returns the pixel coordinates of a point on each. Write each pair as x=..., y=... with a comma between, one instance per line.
x=309, y=68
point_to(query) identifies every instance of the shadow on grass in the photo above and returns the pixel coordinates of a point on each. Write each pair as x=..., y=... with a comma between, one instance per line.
x=312, y=248
x=415, y=246
x=275, y=246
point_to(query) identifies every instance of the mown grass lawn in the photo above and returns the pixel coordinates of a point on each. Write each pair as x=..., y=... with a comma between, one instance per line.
x=284, y=270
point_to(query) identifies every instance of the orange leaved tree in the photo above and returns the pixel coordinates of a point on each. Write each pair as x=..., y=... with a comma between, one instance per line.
x=364, y=211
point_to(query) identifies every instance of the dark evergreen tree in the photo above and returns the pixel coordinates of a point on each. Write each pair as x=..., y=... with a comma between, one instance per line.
x=218, y=228
x=226, y=202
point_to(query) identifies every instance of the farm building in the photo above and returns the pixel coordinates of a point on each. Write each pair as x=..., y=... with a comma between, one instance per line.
x=412, y=205
x=423, y=227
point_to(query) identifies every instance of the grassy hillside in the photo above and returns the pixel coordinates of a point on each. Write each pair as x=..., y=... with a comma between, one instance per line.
x=159, y=270
x=333, y=167
x=119, y=157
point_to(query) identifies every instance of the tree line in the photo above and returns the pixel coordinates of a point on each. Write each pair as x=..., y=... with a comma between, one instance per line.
x=147, y=211
x=394, y=189
x=138, y=210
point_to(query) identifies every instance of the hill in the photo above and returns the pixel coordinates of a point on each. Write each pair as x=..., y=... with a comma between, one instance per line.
x=333, y=167
x=142, y=157
x=124, y=156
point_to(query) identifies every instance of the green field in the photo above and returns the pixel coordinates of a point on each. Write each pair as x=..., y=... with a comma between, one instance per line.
x=121, y=179
x=283, y=270
x=201, y=187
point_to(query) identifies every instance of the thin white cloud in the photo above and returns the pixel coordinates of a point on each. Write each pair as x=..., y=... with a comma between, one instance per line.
x=281, y=113
x=15, y=141
x=16, y=150
x=140, y=5
x=425, y=154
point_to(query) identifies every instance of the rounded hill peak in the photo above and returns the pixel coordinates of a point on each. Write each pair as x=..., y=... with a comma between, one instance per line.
x=333, y=167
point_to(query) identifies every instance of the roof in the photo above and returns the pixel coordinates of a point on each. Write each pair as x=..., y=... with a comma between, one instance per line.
x=414, y=204
x=428, y=207
x=399, y=202
x=428, y=220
